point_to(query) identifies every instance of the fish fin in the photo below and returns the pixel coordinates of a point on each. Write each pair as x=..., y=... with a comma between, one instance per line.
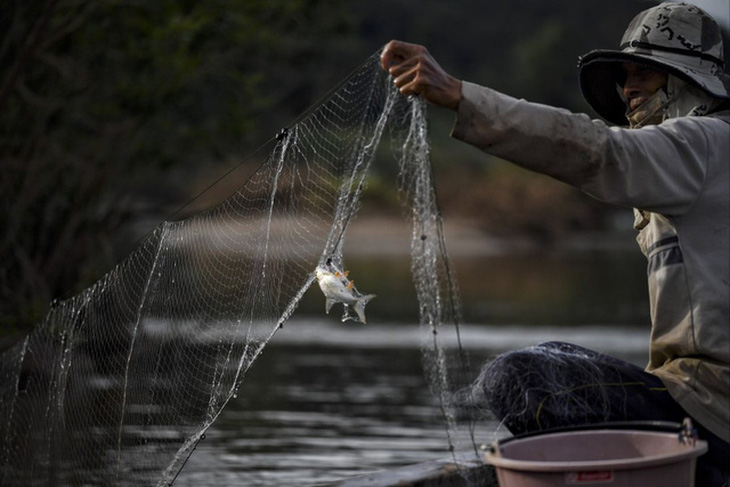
x=328, y=305
x=350, y=285
x=346, y=273
x=337, y=274
x=360, y=306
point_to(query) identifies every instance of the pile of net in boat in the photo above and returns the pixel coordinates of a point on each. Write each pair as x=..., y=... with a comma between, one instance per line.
x=119, y=383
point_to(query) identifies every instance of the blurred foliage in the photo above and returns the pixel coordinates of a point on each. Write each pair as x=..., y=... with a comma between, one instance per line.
x=114, y=111
x=99, y=96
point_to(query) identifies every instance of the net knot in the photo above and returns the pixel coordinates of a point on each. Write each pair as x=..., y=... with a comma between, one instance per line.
x=282, y=135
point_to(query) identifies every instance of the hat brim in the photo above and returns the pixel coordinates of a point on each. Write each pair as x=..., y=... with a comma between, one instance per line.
x=601, y=74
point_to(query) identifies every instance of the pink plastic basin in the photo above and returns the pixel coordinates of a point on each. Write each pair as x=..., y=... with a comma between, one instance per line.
x=594, y=457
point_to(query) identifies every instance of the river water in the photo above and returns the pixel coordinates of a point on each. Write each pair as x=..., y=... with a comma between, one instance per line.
x=328, y=400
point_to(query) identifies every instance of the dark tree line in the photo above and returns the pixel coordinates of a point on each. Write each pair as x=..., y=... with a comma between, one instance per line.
x=99, y=96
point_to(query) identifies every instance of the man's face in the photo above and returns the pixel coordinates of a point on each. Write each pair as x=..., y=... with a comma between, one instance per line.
x=641, y=82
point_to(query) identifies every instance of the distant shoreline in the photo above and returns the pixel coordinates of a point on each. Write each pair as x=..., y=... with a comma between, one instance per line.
x=373, y=235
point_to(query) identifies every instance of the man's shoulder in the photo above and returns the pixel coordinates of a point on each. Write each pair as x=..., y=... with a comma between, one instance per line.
x=709, y=121
x=724, y=115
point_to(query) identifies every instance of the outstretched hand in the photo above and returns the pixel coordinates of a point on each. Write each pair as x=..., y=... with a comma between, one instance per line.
x=416, y=72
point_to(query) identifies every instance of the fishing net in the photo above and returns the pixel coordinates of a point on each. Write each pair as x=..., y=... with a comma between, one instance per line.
x=118, y=384
x=558, y=384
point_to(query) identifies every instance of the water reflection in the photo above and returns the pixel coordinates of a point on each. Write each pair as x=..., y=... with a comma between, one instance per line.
x=328, y=400
x=315, y=413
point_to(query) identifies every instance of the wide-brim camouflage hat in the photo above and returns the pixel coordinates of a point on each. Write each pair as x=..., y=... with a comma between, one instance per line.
x=678, y=38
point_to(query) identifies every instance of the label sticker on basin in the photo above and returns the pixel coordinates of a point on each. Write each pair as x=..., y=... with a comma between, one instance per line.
x=590, y=477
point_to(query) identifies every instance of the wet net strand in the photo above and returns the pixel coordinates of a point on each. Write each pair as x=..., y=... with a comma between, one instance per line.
x=117, y=385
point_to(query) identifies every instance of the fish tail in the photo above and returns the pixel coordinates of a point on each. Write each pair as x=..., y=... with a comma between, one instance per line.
x=360, y=306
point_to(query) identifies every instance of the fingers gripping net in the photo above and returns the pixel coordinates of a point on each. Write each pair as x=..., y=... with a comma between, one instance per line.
x=119, y=383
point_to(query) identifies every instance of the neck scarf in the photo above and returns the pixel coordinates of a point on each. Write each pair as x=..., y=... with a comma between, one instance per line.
x=677, y=99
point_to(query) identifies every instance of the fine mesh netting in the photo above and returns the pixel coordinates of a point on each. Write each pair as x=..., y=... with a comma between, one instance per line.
x=119, y=383
x=554, y=384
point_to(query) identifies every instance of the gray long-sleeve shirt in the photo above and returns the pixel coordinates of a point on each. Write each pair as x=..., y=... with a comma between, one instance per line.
x=678, y=175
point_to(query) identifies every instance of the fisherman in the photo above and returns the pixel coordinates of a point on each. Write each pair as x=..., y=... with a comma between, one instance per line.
x=666, y=153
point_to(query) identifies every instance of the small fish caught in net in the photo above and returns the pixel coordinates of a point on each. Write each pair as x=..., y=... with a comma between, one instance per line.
x=117, y=385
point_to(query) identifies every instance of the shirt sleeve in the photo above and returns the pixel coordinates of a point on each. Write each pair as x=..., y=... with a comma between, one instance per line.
x=658, y=168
